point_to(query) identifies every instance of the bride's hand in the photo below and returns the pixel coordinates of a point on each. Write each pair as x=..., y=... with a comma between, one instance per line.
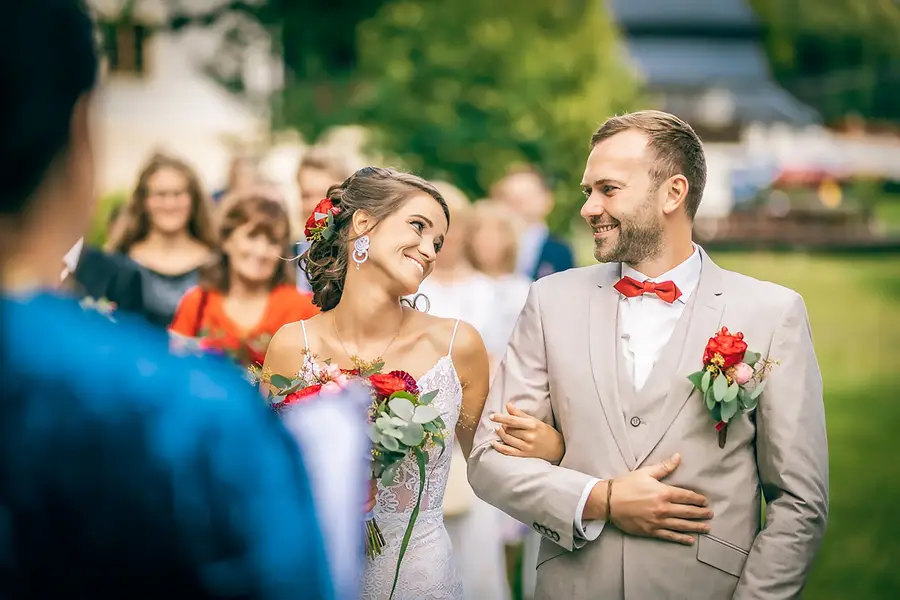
x=526, y=436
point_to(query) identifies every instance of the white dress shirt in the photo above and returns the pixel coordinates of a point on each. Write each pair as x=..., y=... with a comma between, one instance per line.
x=70, y=260
x=646, y=324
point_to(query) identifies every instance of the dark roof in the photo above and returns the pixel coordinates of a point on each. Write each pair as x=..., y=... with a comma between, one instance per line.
x=682, y=12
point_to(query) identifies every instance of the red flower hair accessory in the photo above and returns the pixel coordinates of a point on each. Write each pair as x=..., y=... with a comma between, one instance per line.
x=320, y=224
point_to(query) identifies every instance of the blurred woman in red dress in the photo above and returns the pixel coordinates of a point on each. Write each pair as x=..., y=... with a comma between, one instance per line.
x=249, y=291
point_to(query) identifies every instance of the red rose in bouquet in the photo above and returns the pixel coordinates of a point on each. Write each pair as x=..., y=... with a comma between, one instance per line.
x=300, y=395
x=385, y=385
x=730, y=346
x=411, y=386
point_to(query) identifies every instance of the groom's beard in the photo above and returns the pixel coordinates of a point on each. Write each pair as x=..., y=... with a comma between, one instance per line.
x=637, y=240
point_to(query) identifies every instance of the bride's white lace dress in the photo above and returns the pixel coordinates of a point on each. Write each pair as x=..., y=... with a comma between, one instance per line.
x=428, y=570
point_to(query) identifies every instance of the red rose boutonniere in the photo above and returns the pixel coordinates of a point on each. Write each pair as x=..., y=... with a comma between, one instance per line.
x=732, y=378
x=320, y=224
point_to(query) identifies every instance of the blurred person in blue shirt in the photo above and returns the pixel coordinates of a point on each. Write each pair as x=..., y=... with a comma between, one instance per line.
x=124, y=470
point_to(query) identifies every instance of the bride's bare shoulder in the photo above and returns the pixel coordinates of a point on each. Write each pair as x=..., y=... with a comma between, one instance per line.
x=286, y=349
x=441, y=331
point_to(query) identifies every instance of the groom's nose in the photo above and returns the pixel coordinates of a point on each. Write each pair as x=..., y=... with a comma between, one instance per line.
x=592, y=208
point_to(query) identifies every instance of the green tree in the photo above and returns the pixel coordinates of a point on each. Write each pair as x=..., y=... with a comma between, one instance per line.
x=461, y=90
x=841, y=57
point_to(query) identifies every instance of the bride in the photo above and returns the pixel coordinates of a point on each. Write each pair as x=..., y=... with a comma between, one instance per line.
x=386, y=231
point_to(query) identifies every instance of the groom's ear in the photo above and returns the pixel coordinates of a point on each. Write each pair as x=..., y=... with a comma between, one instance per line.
x=676, y=189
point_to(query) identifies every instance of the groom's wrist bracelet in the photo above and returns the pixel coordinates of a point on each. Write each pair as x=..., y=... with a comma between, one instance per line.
x=609, y=484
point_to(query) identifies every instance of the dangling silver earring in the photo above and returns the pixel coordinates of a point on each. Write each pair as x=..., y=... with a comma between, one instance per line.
x=361, y=250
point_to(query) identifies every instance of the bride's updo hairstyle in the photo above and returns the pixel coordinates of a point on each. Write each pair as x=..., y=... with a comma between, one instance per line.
x=379, y=192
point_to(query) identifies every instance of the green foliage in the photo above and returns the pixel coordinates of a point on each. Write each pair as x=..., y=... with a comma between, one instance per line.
x=99, y=227
x=840, y=57
x=461, y=90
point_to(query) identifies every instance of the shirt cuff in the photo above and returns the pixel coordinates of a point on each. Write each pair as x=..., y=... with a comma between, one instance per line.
x=588, y=530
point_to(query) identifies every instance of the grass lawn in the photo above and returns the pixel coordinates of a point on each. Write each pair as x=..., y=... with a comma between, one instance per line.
x=854, y=308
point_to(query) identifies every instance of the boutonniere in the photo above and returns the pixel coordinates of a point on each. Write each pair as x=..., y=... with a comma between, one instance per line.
x=103, y=306
x=732, y=378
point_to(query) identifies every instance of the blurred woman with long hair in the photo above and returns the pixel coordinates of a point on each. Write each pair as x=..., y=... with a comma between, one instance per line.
x=166, y=228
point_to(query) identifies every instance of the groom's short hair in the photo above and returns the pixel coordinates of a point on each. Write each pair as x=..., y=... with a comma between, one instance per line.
x=677, y=149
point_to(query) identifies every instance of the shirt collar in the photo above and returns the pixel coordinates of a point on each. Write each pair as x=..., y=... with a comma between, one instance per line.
x=71, y=258
x=686, y=275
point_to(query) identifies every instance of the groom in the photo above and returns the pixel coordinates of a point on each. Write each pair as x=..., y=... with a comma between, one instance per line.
x=645, y=503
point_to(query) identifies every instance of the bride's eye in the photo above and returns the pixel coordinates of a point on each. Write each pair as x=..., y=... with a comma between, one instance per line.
x=418, y=226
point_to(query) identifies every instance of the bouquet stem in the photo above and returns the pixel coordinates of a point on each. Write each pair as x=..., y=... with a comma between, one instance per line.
x=374, y=537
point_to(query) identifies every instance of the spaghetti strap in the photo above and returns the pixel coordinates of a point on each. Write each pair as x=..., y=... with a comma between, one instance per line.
x=305, y=340
x=453, y=337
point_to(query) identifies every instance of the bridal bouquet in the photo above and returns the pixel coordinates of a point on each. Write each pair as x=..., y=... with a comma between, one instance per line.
x=402, y=422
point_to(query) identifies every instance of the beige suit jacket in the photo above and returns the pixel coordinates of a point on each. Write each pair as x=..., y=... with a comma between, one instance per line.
x=561, y=365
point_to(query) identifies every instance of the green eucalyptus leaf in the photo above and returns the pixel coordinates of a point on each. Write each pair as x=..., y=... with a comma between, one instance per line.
x=392, y=432
x=710, y=399
x=758, y=390
x=387, y=478
x=732, y=392
x=390, y=443
x=750, y=402
x=402, y=407
x=729, y=409
x=705, y=380
x=397, y=422
x=751, y=357
x=413, y=435
x=404, y=394
x=717, y=412
x=696, y=378
x=427, y=397
x=384, y=422
x=327, y=234
x=374, y=434
x=425, y=414
x=432, y=427
x=720, y=386
x=279, y=381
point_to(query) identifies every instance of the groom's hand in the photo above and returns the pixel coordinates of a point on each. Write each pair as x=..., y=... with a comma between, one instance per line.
x=642, y=505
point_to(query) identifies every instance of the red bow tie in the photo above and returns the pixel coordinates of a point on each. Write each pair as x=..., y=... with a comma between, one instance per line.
x=666, y=290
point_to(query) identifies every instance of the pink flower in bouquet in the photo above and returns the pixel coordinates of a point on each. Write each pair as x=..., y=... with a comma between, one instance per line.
x=743, y=373
x=336, y=385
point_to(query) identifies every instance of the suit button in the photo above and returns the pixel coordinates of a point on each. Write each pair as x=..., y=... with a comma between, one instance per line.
x=635, y=421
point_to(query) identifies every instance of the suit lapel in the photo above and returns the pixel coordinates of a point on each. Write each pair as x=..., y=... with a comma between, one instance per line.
x=705, y=320
x=603, y=328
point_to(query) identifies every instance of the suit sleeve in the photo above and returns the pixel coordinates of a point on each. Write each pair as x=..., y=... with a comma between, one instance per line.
x=531, y=490
x=185, y=320
x=792, y=458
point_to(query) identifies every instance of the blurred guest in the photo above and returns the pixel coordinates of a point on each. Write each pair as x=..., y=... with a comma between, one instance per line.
x=124, y=471
x=492, y=249
x=167, y=229
x=249, y=291
x=455, y=289
x=243, y=174
x=91, y=273
x=526, y=192
x=319, y=169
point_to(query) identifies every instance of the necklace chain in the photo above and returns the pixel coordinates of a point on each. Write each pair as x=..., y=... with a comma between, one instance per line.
x=358, y=362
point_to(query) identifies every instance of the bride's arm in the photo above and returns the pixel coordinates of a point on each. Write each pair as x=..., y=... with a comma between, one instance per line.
x=471, y=360
x=526, y=436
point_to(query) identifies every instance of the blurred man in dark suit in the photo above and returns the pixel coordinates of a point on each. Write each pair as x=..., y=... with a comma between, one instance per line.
x=540, y=253
x=91, y=273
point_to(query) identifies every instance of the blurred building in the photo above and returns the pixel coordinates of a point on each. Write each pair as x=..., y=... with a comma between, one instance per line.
x=160, y=93
x=704, y=61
